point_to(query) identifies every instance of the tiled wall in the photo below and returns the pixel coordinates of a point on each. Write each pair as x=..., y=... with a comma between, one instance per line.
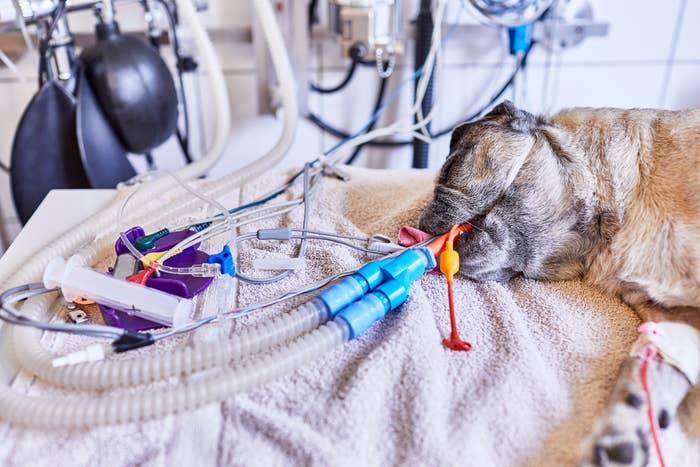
x=651, y=58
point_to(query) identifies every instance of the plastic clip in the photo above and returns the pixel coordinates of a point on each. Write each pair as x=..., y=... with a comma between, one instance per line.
x=225, y=261
x=146, y=242
x=381, y=244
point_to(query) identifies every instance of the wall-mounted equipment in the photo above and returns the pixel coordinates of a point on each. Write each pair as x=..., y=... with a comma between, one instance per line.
x=369, y=28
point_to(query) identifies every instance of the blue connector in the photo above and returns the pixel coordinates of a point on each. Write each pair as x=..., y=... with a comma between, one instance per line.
x=520, y=38
x=225, y=261
x=388, y=281
x=350, y=289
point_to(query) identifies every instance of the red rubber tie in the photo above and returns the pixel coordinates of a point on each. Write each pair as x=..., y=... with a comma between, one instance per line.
x=454, y=342
x=141, y=277
x=449, y=265
x=649, y=353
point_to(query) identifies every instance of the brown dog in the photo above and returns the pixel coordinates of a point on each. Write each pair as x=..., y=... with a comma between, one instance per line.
x=611, y=196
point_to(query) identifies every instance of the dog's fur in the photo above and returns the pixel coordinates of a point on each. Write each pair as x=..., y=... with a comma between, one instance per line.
x=611, y=196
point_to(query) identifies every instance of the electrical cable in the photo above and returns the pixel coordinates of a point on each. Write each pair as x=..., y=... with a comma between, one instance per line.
x=377, y=105
x=16, y=294
x=333, y=89
x=438, y=134
x=424, y=32
x=183, y=136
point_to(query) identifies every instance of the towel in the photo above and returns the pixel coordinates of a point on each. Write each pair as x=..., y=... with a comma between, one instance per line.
x=544, y=359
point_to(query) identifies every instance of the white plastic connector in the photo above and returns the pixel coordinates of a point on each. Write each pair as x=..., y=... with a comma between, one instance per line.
x=76, y=280
x=383, y=245
x=278, y=264
x=92, y=353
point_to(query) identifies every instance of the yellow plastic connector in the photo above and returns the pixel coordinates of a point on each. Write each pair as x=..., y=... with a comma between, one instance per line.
x=152, y=258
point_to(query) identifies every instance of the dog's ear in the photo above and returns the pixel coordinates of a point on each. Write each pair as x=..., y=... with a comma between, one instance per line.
x=457, y=134
x=507, y=114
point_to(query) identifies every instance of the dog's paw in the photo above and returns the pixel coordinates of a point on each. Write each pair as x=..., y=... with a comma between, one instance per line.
x=622, y=435
x=621, y=438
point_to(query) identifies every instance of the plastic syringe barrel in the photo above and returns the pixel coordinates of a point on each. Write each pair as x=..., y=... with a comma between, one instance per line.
x=76, y=280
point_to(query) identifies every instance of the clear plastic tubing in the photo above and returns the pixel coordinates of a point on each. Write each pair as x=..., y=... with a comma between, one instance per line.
x=184, y=361
x=27, y=342
x=80, y=413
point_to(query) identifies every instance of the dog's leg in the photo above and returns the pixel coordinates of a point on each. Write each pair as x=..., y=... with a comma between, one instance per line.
x=622, y=436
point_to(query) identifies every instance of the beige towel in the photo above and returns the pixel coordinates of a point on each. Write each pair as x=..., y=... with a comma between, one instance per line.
x=544, y=359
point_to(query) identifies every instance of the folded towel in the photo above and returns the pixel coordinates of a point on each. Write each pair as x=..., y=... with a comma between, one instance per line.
x=544, y=359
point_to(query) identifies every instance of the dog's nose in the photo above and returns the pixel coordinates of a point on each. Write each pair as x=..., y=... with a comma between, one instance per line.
x=434, y=220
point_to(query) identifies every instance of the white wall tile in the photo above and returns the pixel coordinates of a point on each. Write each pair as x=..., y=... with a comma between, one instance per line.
x=688, y=47
x=683, y=90
x=606, y=86
x=640, y=30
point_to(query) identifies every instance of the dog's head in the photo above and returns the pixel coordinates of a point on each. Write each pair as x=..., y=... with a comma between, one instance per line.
x=509, y=175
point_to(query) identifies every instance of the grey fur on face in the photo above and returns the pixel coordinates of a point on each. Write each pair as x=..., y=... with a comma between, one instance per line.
x=532, y=226
x=609, y=195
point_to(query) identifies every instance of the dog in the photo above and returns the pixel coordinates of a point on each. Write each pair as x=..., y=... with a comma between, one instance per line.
x=609, y=196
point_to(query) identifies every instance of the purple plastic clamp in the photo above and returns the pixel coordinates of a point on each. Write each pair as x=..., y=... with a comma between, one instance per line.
x=176, y=284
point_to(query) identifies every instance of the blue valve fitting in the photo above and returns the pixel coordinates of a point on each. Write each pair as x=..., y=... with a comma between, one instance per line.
x=374, y=306
x=225, y=261
x=352, y=288
x=406, y=268
x=397, y=275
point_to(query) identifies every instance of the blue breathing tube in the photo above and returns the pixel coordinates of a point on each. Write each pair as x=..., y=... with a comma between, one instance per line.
x=375, y=289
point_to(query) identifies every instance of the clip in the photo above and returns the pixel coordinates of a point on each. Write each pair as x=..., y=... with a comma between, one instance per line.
x=225, y=261
x=381, y=244
x=146, y=242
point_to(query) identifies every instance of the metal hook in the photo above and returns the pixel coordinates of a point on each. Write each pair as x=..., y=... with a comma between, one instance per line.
x=391, y=62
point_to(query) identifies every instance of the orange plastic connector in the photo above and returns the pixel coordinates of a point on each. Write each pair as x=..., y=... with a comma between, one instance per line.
x=437, y=245
x=449, y=265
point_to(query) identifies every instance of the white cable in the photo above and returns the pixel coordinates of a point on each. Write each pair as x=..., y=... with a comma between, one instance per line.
x=428, y=65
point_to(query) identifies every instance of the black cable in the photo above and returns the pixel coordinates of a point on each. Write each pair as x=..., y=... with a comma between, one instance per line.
x=313, y=17
x=377, y=105
x=348, y=76
x=183, y=64
x=150, y=162
x=494, y=98
x=4, y=168
x=338, y=133
x=424, y=33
